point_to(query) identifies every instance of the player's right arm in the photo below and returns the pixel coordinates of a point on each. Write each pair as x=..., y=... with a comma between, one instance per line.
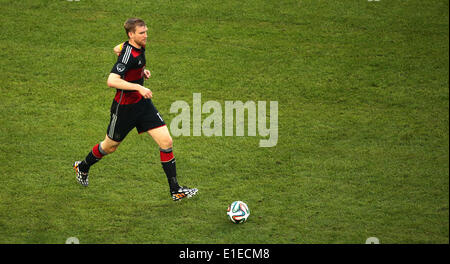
x=115, y=81
x=116, y=78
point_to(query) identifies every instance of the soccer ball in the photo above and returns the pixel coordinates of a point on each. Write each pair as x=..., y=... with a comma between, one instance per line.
x=238, y=212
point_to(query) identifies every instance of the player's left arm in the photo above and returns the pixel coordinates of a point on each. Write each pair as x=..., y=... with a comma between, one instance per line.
x=118, y=49
x=147, y=73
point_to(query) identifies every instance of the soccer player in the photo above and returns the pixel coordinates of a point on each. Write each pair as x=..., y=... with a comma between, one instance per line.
x=132, y=107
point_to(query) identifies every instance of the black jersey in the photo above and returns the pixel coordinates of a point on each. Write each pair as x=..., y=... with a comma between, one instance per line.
x=130, y=66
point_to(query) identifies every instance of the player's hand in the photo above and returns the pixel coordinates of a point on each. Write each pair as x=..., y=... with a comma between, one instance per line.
x=147, y=74
x=145, y=92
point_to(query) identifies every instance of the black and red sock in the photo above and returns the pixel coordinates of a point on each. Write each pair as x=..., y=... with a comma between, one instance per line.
x=96, y=154
x=169, y=166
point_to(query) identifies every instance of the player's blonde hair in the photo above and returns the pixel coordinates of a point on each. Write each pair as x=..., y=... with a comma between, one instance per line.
x=131, y=23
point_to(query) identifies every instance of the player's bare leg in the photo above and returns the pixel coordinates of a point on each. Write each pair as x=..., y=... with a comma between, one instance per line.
x=162, y=137
x=109, y=145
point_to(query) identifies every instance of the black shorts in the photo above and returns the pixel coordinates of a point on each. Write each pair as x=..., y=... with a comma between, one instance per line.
x=142, y=115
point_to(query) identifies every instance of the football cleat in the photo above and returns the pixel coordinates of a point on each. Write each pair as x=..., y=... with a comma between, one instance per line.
x=183, y=192
x=82, y=177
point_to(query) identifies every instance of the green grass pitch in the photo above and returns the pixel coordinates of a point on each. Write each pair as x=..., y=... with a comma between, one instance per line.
x=363, y=134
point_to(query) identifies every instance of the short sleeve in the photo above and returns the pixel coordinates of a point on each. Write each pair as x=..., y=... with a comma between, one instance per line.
x=123, y=61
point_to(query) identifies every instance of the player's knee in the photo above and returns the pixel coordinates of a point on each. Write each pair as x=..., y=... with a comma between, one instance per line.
x=109, y=147
x=166, y=143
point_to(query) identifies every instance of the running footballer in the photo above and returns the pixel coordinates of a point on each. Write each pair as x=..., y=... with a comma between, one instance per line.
x=132, y=107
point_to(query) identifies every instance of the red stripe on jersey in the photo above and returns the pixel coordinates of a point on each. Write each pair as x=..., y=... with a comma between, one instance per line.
x=134, y=74
x=135, y=53
x=127, y=97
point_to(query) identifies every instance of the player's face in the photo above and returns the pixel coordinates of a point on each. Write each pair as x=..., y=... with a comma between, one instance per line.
x=140, y=35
